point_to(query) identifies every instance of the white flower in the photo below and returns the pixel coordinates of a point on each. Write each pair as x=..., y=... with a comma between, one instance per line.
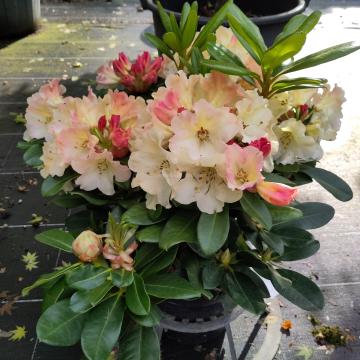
x=201, y=135
x=207, y=188
x=99, y=171
x=327, y=115
x=253, y=111
x=52, y=158
x=294, y=144
x=155, y=173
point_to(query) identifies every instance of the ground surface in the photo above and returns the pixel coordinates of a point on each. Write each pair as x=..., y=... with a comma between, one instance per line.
x=74, y=39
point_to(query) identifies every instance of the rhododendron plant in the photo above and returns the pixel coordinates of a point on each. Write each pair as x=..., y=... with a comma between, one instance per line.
x=188, y=164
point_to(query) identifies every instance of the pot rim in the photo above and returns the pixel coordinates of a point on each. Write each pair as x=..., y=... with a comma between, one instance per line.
x=260, y=20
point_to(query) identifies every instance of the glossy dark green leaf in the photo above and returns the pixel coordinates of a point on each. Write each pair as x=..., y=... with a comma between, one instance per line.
x=68, y=201
x=294, y=237
x=212, y=25
x=140, y=343
x=315, y=215
x=87, y=277
x=159, y=44
x=161, y=262
x=59, y=326
x=178, y=229
x=150, y=320
x=53, y=185
x=122, y=278
x=46, y=278
x=256, y=209
x=150, y=234
x=320, y=57
x=283, y=214
x=32, y=155
x=137, y=300
x=56, y=238
x=170, y=286
x=244, y=292
x=329, y=181
x=299, y=253
x=212, y=275
x=274, y=241
x=146, y=254
x=285, y=49
x=53, y=294
x=138, y=214
x=102, y=329
x=91, y=199
x=302, y=292
x=273, y=177
x=213, y=230
x=257, y=280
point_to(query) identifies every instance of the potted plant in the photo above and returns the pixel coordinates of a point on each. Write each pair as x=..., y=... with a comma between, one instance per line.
x=270, y=16
x=182, y=184
x=18, y=17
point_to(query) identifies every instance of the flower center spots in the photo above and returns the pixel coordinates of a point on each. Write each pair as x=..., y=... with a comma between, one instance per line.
x=242, y=176
x=164, y=165
x=203, y=134
x=286, y=139
x=47, y=120
x=102, y=166
x=207, y=175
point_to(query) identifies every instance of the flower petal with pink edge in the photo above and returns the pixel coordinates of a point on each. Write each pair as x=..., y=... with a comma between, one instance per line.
x=106, y=75
x=276, y=194
x=243, y=166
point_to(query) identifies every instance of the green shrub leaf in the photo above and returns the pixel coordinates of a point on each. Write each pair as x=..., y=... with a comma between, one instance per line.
x=56, y=238
x=137, y=300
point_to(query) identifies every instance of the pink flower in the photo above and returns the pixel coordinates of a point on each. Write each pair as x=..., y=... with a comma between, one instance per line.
x=121, y=259
x=87, y=246
x=262, y=144
x=167, y=108
x=243, y=166
x=138, y=76
x=106, y=75
x=276, y=194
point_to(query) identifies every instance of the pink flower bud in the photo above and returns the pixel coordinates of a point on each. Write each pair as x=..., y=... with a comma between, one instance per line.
x=276, y=194
x=87, y=246
x=121, y=259
x=102, y=123
x=263, y=144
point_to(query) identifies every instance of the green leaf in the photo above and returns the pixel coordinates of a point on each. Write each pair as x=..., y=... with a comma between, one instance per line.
x=299, y=253
x=45, y=278
x=161, y=262
x=102, y=329
x=122, y=278
x=170, y=286
x=213, y=230
x=165, y=19
x=53, y=294
x=32, y=155
x=179, y=228
x=159, y=44
x=212, y=25
x=172, y=41
x=137, y=300
x=294, y=237
x=59, y=326
x=78, y=221
x=221, y=53
x=244, y=292
x=68, y=201
x=138, y=214
x=315, y=215
x=320, y=57
x=52, y=185
x=189, y=29
x=329, y=181
x=87, y=277
x=273, y=177
x=140, y=343
x=256, y=209
x=299, y=22
x=302, y=292
x=150, y=234
x=184, y=14
x=56, y=238
x=150, y=320
x=283, y=214
x=91, y=198
x=145, y=255
x=212, y=275
x=274, y=241
x=82, y=300
x=300, y=81
x=230, y=69
x=283, y=50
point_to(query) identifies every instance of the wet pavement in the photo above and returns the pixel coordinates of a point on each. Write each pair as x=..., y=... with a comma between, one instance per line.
x=72, y=42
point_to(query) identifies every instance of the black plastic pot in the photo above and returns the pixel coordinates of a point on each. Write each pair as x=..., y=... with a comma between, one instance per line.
x=180, y=345
x=270, y=16
x=18, y=17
